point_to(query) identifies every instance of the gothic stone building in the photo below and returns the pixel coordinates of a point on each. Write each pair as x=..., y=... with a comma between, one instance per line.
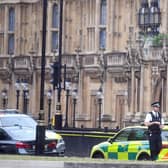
x=115, y=73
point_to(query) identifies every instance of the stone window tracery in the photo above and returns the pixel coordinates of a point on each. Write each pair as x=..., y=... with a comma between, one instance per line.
x=55, y=16
x=55, y=27
x=103, y=12
x=11, y=30
x=103, y=18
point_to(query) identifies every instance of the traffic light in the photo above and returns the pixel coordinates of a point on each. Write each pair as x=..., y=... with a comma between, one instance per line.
x=55, y=74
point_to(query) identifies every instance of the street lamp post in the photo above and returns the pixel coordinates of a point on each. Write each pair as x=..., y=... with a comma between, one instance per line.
x=40, y=128
x=58, y=115
x=25, y=97
x=4, y=98
x=26, y=93
x=99, y=96
x=17, y=86
x=74, y=97
x=67, y=87
x=49, y=97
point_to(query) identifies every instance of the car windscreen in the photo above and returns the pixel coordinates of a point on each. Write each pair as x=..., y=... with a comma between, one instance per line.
x=21, y=133
x=23, y=121
x=164, y=135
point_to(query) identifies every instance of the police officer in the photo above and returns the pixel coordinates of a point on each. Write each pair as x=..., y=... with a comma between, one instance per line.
x=155, y=123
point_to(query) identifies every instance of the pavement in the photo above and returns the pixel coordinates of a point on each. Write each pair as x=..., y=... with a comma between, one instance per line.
x=18, y=161
x=31, y=164
x=62, y=164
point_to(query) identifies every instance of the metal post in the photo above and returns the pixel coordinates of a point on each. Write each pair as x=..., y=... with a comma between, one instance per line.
x=49, y=113
x=4, y=98
x=66, y=112
x=40, y=128
x=58, y=115
x=25, y=96
x=17, y=98
x=100, y=103
x=43, y=61
x=18, y=88
x=99, y=99
x=74, y=97
x=49, y=96
x=24, y=101
x=74, y=111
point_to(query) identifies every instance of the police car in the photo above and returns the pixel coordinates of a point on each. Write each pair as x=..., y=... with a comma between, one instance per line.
x=130, y=143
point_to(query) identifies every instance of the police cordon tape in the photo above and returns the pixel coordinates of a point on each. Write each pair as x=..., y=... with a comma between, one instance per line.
x=79, y=142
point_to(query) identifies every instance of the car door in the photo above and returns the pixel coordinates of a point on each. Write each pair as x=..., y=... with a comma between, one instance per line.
x=119, y=145
x=6, y=144
x=138, y=143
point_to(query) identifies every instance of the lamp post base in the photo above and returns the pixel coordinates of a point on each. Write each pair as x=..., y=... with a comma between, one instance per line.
x=58, y=121
x=58, y=117
x=40, y=138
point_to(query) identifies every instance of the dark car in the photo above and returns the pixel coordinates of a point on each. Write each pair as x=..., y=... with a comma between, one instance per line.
x=21, y=140
x=18, y=135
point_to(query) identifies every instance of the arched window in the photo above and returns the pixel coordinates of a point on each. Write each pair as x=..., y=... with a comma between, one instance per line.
x=11, y=25
x=103, y=12
x=11, y=29
x=55, y=16
x=55, y=25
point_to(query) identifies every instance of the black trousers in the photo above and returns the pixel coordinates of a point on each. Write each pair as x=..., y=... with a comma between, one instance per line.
x=155, y=143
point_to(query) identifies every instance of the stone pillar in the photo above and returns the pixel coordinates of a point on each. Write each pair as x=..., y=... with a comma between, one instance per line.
x=80, y=95
x=132, y=90
x=167, y=89
x=33, y=96
x=147, y=98
x=107, y=110
x=6, y=30
x=141, y=109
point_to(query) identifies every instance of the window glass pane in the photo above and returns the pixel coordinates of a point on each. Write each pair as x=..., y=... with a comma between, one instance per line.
x=11, y=44
x=138, y=134
x=11, y=19
x=54, y=40
x=159, y=3
x=3, y=135
x=103, y=12
x=164, y=135
x=122, y=136
x=55, y=16
x=102, y=38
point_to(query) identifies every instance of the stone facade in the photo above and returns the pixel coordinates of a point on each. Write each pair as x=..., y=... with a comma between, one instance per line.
x=101, y=49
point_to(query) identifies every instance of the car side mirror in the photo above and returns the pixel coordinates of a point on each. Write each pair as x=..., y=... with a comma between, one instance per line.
x=111, y=139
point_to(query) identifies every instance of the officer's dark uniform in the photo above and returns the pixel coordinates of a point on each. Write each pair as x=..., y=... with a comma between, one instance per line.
x=155, y=140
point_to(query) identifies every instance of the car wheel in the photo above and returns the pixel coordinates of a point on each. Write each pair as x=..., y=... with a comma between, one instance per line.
x=144, y=157
x=98, y=155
